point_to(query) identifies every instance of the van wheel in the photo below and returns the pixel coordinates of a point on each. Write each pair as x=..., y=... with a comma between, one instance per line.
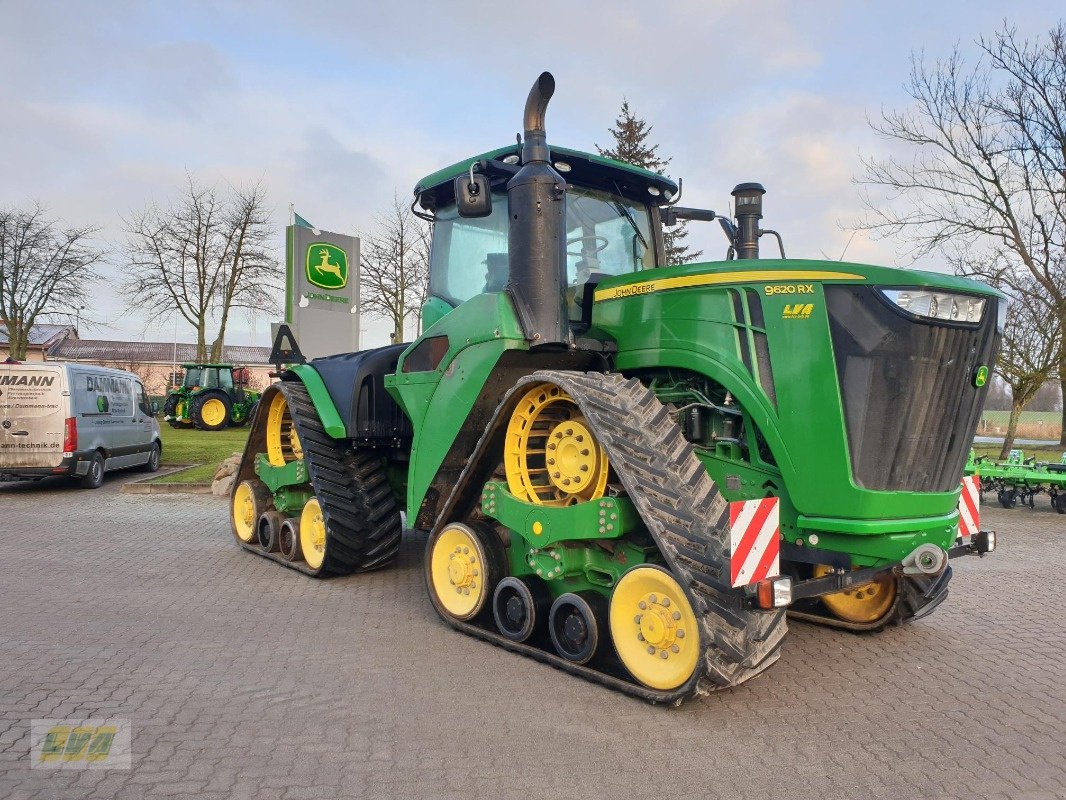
x=94, y=478
x=152, y=464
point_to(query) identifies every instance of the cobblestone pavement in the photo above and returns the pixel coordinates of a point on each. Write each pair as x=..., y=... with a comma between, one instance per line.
x=243, y=679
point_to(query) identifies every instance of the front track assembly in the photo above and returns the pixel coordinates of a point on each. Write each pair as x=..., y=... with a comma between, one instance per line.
x=682, y=510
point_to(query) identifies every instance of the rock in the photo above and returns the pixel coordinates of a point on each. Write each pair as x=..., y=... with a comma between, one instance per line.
x=228, y=467
x=222, y=486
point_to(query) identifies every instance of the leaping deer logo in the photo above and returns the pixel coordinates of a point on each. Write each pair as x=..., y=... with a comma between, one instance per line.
x=324, y=266
x=327, y=266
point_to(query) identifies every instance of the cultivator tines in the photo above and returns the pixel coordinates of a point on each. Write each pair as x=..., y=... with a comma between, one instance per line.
x=1018, y=480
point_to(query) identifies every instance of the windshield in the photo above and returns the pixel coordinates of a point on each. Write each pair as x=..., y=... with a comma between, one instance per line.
x=192, y=377
x=206, y=377
x=606, y=234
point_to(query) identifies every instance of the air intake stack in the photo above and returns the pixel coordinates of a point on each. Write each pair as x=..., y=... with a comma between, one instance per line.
x=536, y=205
x=748, y=201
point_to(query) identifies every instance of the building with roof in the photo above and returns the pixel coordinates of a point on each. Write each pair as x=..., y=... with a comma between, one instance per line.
x=156, y=362
x=153, y=362
x=43, y=337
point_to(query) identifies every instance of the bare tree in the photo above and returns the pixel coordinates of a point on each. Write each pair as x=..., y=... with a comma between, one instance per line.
x=45, y=270
x=985, y=182
x=203, y=257
x=394, y=266
x=1030, y=355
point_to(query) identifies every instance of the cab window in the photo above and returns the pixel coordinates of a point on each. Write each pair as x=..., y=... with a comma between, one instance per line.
x=606, y=234
x=469, y=256
x=142, y=399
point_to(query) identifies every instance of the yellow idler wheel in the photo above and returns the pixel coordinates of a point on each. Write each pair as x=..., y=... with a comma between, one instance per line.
x=313, y=534
x=282, y=442
x=654, y=628
x=461, y=571
x=213, y=412
x=250, y=499
x=550, y=455
x=866, y=603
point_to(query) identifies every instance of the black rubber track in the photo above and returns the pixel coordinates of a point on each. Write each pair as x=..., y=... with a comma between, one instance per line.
x=682, y=509
x=362, y=519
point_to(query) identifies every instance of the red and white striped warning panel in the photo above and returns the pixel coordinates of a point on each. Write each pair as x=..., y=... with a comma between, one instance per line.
x=754, y=540
x=970, y=506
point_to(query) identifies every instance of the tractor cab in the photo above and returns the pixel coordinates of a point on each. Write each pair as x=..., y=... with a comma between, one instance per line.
x=207, y=376
x=612, y=225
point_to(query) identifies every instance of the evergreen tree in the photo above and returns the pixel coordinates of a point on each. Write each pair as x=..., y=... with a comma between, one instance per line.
x=631, y=145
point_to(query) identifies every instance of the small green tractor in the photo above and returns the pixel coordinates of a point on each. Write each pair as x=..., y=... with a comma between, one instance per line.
x=631, y=470
x=211, y=397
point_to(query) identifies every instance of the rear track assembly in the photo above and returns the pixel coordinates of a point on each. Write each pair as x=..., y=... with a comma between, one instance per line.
x=361, y=518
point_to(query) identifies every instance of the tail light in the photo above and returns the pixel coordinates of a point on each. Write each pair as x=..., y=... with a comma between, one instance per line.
x=70, y=436
x=774, y=592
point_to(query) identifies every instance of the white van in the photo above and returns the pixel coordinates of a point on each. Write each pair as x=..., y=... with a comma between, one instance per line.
x=74, y=419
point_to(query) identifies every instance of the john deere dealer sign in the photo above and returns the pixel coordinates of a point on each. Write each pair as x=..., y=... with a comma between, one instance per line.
x=322, y=297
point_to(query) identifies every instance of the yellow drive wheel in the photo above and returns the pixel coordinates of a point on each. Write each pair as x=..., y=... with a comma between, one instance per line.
x=250, y=499
x=313, y=534
x=550, y=455
x=213, y=412
x=460, y=571
x=866, y=603
x=654, y=628
x=282, y=441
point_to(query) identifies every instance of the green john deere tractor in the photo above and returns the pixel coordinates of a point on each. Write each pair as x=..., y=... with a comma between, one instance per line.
x=211, y=397
x=627, y=469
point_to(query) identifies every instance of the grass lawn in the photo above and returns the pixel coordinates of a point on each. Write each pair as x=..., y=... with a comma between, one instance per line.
x=1044, y=425
x=1049, y=453
x=191, y=446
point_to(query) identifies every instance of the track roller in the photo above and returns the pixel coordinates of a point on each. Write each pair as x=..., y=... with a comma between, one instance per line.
x=289, y=539
x=267, y=530
x=520, y=607
x=463, y=564
x=576, y=623
x=654, y=628
x=250, y=499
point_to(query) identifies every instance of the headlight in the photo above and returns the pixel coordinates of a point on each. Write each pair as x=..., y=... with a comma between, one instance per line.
x=938, y=305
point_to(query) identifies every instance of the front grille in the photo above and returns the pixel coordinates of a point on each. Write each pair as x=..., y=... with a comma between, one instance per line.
x=910, y=406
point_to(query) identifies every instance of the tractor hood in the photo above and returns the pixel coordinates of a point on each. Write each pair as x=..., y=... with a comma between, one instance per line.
x=719, y=273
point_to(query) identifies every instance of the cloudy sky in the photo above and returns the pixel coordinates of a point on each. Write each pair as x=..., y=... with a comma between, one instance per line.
x=104, y=106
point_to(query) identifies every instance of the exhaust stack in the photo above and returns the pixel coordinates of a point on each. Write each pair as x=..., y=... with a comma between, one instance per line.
x=536, y=205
